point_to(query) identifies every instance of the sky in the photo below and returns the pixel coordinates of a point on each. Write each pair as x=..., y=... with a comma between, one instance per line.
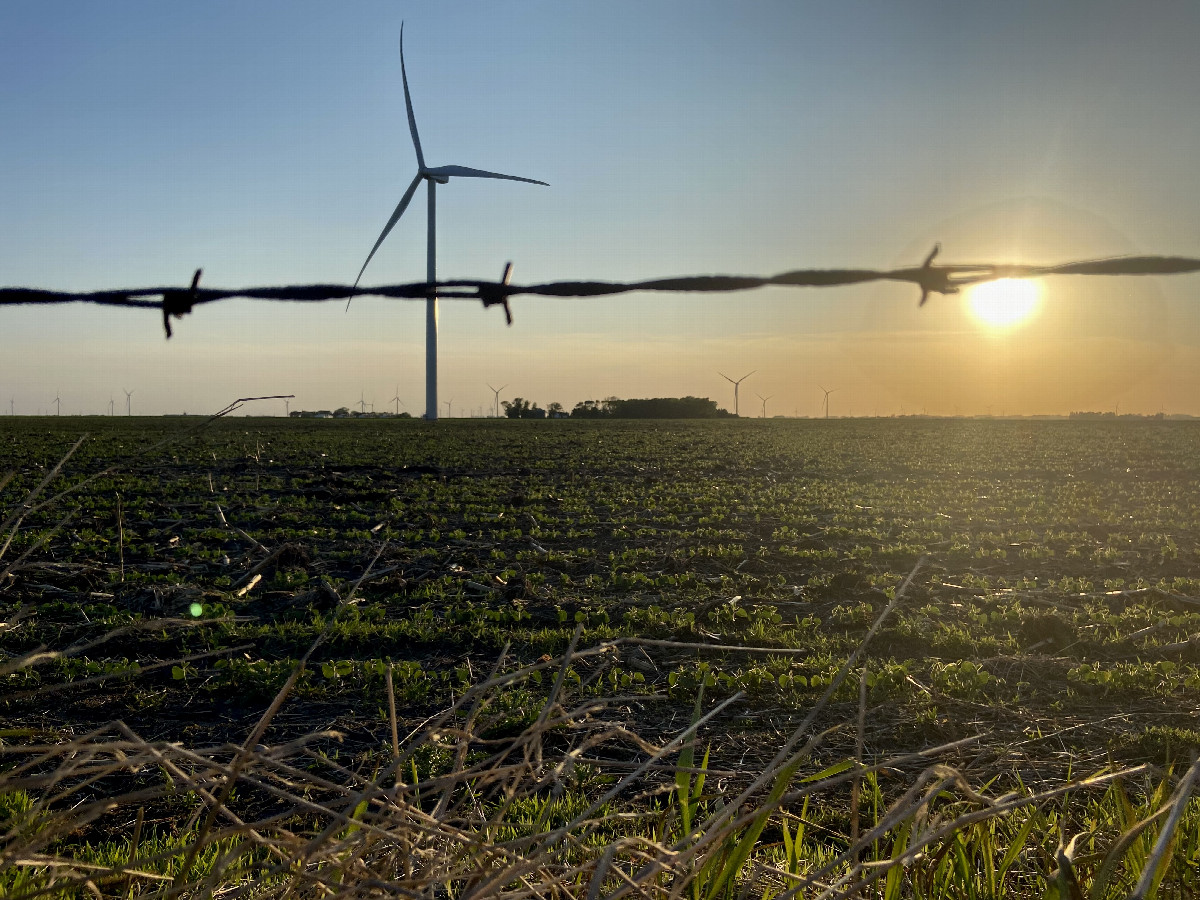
x=267, y=143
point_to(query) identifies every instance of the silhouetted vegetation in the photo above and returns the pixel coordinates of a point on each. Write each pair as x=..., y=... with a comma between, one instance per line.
x=520, y=408
x=649, y=408
x=1114, y=415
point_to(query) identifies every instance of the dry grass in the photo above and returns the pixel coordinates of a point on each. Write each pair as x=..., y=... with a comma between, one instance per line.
x=461, y=808
x=523, y=817
x=450, y=812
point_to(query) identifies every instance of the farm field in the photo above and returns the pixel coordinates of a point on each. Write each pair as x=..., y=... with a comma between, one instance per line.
x=1054, y=595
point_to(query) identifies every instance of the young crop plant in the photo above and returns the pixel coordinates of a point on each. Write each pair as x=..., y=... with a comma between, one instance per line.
x=506, y=540
x=965, y=680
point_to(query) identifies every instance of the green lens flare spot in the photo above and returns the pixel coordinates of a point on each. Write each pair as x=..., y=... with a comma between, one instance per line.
x=196, y=610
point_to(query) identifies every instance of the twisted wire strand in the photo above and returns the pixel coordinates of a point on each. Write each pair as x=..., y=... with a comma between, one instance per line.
x=930, y=278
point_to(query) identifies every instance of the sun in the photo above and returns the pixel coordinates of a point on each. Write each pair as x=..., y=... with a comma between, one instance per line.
x=1003, y=303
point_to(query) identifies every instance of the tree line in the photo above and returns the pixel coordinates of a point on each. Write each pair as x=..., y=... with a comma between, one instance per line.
x=616, y=408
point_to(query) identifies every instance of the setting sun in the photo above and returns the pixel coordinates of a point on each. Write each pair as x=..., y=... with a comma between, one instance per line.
x=1003, y=303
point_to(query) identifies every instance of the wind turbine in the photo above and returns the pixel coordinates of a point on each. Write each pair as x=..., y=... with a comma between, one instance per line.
x=764, y=402
x=450, y=408
x=827, y=393
x=433, y=177
x=362, y=402
x=57, y=404
x=396, y=399
x=735, y=386
x=128, y=404
x=112, y=405
x=496, y=391
x=287, y=408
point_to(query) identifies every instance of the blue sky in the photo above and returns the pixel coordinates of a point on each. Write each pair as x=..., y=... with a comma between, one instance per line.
x=267, y=143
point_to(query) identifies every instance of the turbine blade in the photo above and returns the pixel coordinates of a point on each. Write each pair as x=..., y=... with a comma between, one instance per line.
x=412, y=120
x=400, y=208
x=466, y=172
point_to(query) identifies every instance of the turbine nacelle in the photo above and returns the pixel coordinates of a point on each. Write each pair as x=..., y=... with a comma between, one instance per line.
x=442, y=174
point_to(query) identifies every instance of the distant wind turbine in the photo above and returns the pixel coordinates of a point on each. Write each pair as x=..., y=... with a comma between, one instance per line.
x=397, y=400
x=362, y=402
x=57, y=404
x=128, y=404
x=450, y=408
x=496, y=391
x=433, y=177
x=764, y=403
x=736, y=384
x=827, y=393
x=112, y=405
x=287, y=408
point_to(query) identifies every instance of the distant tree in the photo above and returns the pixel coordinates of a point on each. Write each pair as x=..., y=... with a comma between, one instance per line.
x=520, y=408
x=666, y=408
x=592, y=409
x=517, y=408
x=341, y=412
x=555, y=410
x=653, y=408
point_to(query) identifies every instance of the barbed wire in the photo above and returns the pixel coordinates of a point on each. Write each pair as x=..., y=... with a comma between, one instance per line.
x=930, y=278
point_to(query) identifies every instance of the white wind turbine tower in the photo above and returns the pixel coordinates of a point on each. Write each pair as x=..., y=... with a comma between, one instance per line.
x=433, y=177
x=764, y=402
x=397, y=400
x=827, y=393
x=496, y=391
x=450, y=408
x=112, y=405
x=735, y=386
x=128, y=404
x=57, y=404
x=362, y=402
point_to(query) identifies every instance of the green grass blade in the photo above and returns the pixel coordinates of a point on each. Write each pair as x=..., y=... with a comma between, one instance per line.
x=740, y=851
x=835, y=769
x=894, y=882
x=698, y=789
x=683, y=775
x=1016, y=846
x=1117, y=853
